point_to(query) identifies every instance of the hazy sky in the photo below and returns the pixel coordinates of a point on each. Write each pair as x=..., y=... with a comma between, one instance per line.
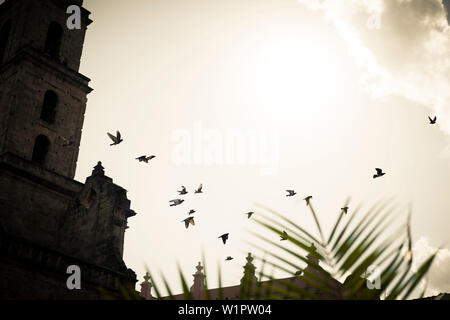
x=321, y=91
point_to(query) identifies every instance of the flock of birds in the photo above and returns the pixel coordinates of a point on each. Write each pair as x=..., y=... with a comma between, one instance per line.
x=117, y=139
x=190, y=220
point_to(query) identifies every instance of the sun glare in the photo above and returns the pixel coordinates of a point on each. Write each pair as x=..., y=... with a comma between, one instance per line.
x=290, y=75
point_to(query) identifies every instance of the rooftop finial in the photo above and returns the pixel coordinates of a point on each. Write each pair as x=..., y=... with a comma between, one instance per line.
x=98, y=169
x=199, y=268
x=146, y=288
x=249, y=279
x=249, y=269
x=199, y=283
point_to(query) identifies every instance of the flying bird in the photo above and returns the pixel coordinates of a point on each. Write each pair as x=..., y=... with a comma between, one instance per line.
x=188, y=221
x=284, y=236
x=291, y=193
x=344, y=210
x=182, y=191
x=176, y=202
x=145, y=158
x=307, y=200
x=432, y=121
x=249, y=214
x=116, y=139
x=224, y=237
x=199, y=190
x=379, y=173
x=192, y=211
x=229, y=258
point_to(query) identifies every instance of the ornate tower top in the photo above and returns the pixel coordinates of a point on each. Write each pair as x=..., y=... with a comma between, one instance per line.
x=146, y=288
x=198, y=287
x=249, y=270
x=98, y=169
x=199, y=268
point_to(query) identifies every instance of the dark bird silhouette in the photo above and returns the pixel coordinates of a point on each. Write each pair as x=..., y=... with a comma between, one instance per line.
x=249, y=214
x=192, y=211
x=224, y=237
x=307, y=200
x=229, y=258
x=344, y=209
x=182, y=191
x=176, y=202
x=145, y=158
x=298, y=273
x=379, y=173
x=432, y=121
x=116, y=139
x=188, y=221
x=199, y=190
x=284, y=236
x=291, y=193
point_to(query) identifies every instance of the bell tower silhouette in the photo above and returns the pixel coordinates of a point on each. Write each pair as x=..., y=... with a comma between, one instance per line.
x=48, y=220
x=42, y=95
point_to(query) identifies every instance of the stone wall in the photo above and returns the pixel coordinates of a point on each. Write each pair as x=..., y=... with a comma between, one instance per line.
x=34, y=272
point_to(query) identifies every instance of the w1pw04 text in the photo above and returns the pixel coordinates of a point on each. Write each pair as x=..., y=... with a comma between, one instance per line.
x=234, y=309
x=246, y=309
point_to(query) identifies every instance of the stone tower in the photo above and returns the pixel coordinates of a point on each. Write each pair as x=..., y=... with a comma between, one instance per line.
x=42, y=209
x=43, y=97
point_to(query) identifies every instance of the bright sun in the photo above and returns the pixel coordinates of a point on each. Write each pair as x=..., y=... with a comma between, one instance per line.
x=287, y=74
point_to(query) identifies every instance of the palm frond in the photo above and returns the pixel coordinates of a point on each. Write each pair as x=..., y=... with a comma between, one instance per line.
x=354, y=246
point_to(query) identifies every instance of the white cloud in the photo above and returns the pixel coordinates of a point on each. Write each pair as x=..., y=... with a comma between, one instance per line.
x=401, y=46
x=438, y=277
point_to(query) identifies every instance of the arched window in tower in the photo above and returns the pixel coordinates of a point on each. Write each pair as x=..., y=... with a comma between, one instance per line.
x=4, y=35
x=48, y=111
x=53, y=41
x=41, y=148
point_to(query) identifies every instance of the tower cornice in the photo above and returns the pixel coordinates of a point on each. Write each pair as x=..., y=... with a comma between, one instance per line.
x=33, y=55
